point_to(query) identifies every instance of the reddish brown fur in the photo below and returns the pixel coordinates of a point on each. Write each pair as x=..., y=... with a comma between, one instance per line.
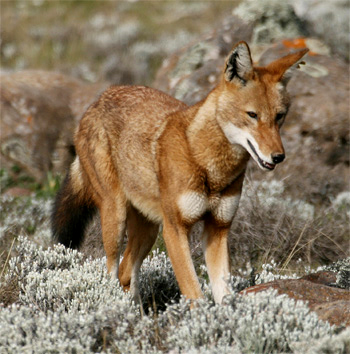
x=146, y=158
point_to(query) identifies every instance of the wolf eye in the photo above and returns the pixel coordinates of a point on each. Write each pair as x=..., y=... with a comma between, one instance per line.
x=252, y=115
x=279, y=116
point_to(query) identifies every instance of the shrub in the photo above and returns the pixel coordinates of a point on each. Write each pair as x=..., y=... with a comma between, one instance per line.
x=69, y=304
x=259, y=323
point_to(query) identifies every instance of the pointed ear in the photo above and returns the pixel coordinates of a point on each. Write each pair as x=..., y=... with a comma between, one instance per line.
x=282, y=69
x=239, y=63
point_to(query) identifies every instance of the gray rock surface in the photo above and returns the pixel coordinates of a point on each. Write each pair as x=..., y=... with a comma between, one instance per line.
x=328, y=20
x=331, y=304
x=39, y=112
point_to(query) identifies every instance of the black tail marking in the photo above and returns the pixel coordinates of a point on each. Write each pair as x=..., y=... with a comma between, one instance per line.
x=71, y=214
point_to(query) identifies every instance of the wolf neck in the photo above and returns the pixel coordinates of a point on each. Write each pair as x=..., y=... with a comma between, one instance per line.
x=210, y=148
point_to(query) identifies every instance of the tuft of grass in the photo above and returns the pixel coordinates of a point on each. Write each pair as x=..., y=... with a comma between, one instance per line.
x=15, y=177
x=10, y=290
x=271, y=225
x=50, y=187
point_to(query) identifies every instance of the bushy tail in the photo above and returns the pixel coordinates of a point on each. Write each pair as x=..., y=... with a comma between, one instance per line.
x=72, y=211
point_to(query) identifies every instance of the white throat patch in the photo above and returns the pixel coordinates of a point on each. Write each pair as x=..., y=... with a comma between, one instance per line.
x=239, y=136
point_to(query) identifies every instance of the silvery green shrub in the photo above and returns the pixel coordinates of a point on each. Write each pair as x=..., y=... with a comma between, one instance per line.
x=83, y=287
x=271, y=194
x=25, y=215
x=335, y=344
x=33, y=258
x=23, y=330
x=70, y=304
x=343, y=278
x=66, y=304
x=259, y=323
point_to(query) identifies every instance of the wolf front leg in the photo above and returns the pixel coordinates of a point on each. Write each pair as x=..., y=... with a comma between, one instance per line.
x=176, y=240
x=215, y=246
x=215, y=238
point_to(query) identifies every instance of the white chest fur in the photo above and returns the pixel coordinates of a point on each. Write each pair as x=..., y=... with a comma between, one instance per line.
x=226, y=208
x=193, y=205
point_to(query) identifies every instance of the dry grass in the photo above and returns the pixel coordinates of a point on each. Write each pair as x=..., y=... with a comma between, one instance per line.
x=261, y=235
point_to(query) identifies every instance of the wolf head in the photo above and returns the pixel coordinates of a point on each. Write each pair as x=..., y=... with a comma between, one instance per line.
x=254, y=102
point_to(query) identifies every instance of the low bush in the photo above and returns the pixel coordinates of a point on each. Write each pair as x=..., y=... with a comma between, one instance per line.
x=68, y=303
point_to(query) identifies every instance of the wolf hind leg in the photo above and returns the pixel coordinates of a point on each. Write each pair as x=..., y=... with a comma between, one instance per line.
x=98, y=163
x=113, y=224
x=142, y=234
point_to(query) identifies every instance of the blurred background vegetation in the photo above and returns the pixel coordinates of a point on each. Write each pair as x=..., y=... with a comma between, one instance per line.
x=87, y=38
x=119, y=42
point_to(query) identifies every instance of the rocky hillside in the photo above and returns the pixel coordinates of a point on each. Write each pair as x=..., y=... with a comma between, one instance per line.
x=316, y=133
x=83, y=46
x=113, y=43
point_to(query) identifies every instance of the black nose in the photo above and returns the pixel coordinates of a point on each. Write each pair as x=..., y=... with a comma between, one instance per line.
x=277, y=158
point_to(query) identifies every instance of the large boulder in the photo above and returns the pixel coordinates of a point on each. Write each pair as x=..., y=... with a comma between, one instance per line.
x=191, y=72
x=316, y=132
x=39, y=112
x=328, y=20
x=331, y=304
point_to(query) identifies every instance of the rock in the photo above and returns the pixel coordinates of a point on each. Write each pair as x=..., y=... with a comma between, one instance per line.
x=272, y=19
x=39, y=112
x=316, y=132
x=200, y=62
x=327, y=20
x=190, y=73
x=325, y=278
x=335, y=312
x=18, y=192
x=331, y=304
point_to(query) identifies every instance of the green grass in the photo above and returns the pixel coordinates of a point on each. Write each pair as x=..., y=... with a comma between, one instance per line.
x=15, y=177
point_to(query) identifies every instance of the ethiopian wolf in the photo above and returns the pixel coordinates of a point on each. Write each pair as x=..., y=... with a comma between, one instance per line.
x=145, y=158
